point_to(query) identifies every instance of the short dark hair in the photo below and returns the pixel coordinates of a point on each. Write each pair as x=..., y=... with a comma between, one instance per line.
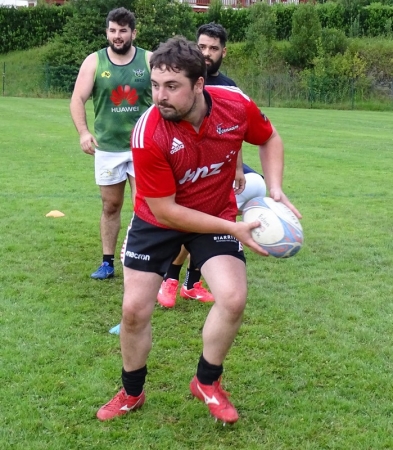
x=177, y=54
x=121, y=16
x=213, y=30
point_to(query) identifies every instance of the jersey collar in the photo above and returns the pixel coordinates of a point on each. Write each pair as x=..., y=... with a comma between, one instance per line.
x=209, y=102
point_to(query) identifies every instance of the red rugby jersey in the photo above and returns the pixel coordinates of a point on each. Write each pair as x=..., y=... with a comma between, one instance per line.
x=172, y=158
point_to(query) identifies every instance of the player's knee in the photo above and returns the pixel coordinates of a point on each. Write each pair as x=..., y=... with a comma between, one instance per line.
x=134, y=318
x=234, y=303
x=111, y=209
x=236, y=307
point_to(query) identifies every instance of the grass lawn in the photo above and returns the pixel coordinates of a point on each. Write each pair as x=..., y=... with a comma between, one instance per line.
x=312, y=365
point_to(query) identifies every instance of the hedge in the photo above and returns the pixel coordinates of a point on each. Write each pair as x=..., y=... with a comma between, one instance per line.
x=23, y=28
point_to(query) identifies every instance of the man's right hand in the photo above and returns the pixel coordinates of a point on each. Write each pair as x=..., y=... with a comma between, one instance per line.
x=86, y=140
x=243, y=234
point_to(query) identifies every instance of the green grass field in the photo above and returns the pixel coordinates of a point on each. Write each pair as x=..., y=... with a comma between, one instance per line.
x=312, y=365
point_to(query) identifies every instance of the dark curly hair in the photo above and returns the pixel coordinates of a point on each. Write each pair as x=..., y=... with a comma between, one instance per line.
x=121, y=16
x=213, y=30
x=179, y=54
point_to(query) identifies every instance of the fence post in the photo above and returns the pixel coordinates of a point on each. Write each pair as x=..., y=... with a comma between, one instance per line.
x=47, y=79
x=4, y=80
x=310, y=90
x=268, y=89
x=352, y=93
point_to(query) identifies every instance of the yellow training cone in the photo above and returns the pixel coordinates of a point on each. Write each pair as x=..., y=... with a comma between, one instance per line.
x=55, y=213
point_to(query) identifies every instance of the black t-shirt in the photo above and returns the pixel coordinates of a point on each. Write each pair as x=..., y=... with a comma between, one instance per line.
x=219, y=80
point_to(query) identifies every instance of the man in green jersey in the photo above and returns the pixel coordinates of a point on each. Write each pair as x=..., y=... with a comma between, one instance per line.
x=118, y=79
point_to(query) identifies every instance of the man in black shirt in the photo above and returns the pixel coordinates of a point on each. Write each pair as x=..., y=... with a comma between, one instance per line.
x=211, y=40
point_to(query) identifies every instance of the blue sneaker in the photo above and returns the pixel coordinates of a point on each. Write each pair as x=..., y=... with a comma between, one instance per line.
x=115, y=329
x=103, y=272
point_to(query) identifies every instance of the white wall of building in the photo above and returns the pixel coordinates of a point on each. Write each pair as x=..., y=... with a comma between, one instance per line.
x=18, y=3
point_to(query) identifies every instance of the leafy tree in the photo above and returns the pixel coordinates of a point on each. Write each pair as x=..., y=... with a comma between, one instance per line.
x=261, y=33
x=263, y=21
x=352, y=9
x=388, y=28
x=306, y=34
x=333, y=41
x=284, y=12
x=158, y=20
x=214, y=12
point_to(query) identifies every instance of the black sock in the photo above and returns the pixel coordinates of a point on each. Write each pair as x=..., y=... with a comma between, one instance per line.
x=110, y=259
x=191, y=265
x=133, y=381
x=208, y=373
x=173, y=272
x=192, y=277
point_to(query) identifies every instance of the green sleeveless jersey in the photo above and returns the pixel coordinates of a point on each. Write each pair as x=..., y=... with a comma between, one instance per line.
x=121, y=94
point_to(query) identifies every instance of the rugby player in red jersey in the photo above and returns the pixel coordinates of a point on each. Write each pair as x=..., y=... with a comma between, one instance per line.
x=185, y=150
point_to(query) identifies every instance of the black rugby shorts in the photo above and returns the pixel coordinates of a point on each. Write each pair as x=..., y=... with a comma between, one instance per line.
x=149, y=248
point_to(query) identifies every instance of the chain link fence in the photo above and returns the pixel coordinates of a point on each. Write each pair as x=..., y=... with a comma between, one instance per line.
x=296, y=90
x=26, y=80
x=311, y=91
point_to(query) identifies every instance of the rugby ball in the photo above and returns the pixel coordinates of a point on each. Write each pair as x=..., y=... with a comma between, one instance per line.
x=280, y=232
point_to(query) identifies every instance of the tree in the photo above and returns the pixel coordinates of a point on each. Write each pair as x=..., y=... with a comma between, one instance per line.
x=159, y=20
x=263, y=23
x=305, y=36
x=261, y=33
x=214, y=11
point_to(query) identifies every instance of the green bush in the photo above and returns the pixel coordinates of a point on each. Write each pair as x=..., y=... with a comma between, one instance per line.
x=214, y=11
x=306, y=33
x=333, y=41
x=25, y=28
x=389, y=28
x=235, y=21
x=352, y=21
x=331, y=15
x=377, y=53
x=160, y=20
x=261, y=34
x=284, y=15
x=375, y=17
x=59, y=79
x=238, y=61
x=334, y=79
x=263, y=25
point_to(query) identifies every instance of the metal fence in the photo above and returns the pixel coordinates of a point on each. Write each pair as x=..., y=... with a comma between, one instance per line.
x=29, y=80
x=285, y=90
x=310, y=91
x=204, y=4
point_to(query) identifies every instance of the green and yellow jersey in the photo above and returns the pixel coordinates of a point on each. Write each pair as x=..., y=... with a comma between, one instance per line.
x=121, y=94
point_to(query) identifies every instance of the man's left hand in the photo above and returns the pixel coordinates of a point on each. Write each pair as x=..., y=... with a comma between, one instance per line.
x=240, y=181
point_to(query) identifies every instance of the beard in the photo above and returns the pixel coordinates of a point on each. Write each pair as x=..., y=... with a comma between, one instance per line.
x=171, y=114
x=213, y=67
x=174, y=115
x=122, y=50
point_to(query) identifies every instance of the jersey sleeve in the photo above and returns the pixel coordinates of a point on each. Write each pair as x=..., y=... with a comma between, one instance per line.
x=153, y=175
x=259, y=128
